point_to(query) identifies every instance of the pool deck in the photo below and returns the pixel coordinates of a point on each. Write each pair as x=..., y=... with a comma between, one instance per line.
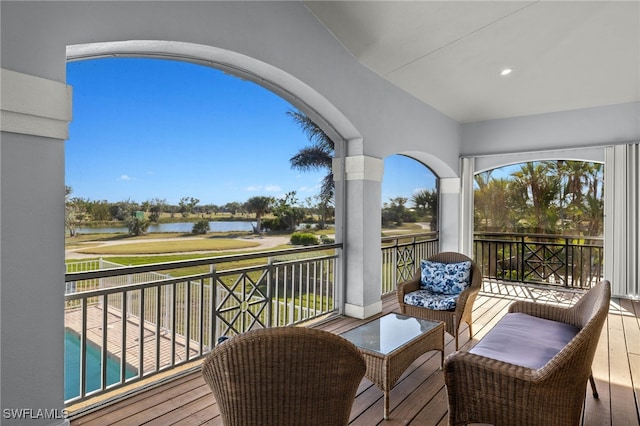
x=114, y=338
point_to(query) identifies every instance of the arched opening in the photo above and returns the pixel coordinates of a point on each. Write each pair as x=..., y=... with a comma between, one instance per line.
x=303, y=97
x=178, y=142
x=409, y=215
x=409, y=194
x=136, y=303
x=541, y=222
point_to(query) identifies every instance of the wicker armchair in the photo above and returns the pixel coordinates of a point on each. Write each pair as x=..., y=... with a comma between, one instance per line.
x=485, y=390
x=284, y=376
x=464, y=305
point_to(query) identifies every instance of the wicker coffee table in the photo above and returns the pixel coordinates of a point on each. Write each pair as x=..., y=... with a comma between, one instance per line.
x=391, y=343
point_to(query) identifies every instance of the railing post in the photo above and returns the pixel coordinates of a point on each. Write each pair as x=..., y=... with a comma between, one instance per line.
x=269, y=321
x=523, y=260
x=291, y=304
x=394, y=264
x=128, y=298
x=213, y=312
x=566, y=263
x=101, y=266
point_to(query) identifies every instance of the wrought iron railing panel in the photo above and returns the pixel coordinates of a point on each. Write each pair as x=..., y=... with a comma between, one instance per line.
x=401, y=256
x=567, y=261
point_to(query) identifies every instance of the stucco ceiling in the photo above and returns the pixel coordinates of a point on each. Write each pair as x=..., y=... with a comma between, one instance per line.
x=564, y=55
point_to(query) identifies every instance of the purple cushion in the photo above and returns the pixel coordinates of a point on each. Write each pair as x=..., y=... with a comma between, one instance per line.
x=525, y=340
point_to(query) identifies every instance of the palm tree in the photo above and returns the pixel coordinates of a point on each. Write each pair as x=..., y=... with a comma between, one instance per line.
x=426, y=202
x=594, y=203
x=258, y=205
x=481, y=200
x=491, y=203
x=318, y=155
x=535, y=187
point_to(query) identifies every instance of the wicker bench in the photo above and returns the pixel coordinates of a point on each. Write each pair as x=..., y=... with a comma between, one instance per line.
x=532, y=367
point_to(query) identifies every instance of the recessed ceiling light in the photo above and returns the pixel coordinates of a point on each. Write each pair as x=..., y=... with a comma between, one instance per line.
x=506, y=71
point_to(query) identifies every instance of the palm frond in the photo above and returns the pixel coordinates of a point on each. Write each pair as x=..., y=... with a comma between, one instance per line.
x=327, y=186
x=313, y=132
x=311, y=158
x=317, y=156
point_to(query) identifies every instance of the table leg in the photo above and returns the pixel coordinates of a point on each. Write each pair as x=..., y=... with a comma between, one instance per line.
x=386, y=405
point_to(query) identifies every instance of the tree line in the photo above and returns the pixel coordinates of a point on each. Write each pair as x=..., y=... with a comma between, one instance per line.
x=286, y=212
x=542, y=197
x=423, y=207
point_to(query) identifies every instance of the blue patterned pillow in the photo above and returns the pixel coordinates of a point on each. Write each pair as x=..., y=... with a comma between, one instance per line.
x=445, y=278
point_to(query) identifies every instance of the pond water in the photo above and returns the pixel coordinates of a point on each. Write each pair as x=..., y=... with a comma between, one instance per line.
x=186, y=227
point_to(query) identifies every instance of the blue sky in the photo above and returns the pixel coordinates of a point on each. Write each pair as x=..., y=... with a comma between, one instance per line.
x=147, y=128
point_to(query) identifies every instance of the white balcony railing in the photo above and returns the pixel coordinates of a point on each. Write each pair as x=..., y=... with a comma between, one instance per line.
x=129, y=323
x=124, y=324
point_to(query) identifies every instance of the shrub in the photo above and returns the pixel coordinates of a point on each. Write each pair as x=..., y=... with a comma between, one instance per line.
x=137, y=226
x=300, y=239
x=273, y=224
x=201, y=227
x=326, y=240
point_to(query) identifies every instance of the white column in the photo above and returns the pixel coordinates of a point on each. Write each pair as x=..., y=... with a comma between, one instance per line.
x=621, y=219
x=449, y=214
x=361, y=233
x=34, y=119
x=466, y=207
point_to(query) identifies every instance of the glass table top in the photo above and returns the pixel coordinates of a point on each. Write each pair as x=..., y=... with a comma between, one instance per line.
x=388, y=333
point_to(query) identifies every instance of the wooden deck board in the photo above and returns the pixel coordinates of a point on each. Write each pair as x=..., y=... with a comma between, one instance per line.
x=620, y=374
x=598, y=411
x=419, y=398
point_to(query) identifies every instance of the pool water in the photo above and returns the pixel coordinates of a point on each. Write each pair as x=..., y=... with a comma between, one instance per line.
x=72, y=366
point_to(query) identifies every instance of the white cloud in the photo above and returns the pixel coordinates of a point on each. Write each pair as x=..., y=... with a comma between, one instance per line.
x=265, y=188
x=307, y=189
x=126, y=178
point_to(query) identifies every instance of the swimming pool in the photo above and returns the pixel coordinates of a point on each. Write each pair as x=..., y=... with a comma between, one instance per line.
x=72, y=366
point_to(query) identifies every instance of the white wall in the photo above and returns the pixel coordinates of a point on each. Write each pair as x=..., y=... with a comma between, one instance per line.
x=589, y=127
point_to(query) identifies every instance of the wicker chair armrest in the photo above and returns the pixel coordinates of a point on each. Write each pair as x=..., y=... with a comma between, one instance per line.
x=550, y=312
x=465, y=295
x=464, y=302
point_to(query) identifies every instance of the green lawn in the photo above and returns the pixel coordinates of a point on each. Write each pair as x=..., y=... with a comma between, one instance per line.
x=159, y=247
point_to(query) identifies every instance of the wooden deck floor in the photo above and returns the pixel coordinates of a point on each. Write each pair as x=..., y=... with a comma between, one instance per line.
x=419, y=398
